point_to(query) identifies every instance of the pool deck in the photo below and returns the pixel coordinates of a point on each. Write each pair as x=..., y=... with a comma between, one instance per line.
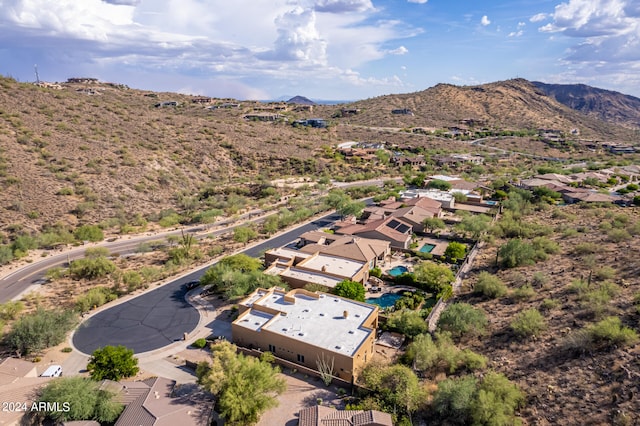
x=440, y=245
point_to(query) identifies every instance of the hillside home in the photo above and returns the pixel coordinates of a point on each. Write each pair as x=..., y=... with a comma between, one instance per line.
x=403, y=160
x=307, y=328
x=319, y=415
x=263, y=117
x=402, y=111
x=202, y=100
x=372, y=252
x=394, y=230
x=167, y=104
x=298, y=268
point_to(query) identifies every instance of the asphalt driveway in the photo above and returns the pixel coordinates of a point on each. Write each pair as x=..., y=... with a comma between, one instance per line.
x=145, y=323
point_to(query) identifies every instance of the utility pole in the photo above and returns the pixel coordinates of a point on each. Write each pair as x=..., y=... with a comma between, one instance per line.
x=37, y=76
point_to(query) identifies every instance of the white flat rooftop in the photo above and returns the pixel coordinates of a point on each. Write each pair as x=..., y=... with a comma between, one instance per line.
x=311, y=277
x=287, y=253
x=334, y=265
x=434, y=194
x=319, y=322
x=445, y=178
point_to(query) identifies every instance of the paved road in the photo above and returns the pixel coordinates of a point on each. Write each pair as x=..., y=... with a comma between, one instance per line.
x=158, y=318
x=17, y=282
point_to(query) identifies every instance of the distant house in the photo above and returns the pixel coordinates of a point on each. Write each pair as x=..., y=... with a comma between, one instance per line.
x=372, y=252
x=458, y=159
x=202, y=100
x=306, y=328
x=83, y=80
x=263, y=117
x=588, y=197
x=349, y=111
x=158, y=402
x=318, y=123
x=402, y=111
x=403, y=160
x=303, y=108
x=319, y=415
x=167, y=104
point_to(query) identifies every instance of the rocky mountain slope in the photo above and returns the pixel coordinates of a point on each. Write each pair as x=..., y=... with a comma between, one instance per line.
x=606, y=105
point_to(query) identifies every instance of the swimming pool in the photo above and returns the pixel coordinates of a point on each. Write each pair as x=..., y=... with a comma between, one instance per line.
x=397, y=270
x=427, y=248
x=385, y=301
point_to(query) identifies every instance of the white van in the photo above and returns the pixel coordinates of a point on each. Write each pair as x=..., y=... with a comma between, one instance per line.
x=52, y=371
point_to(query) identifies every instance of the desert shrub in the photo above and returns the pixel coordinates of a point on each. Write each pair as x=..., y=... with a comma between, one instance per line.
x=91, y=268
x=89, y=233
x=462, y=319
x=10, y=310
x=528, y=323
x=604, y=334
x=549, y=304
x=426, y=354
x=376, y=272
x=455, y=250
x=524, y=292
x=586, y=248
x=605, y=273
x=618, y=235
x=95, y=297
x=199, y=343
x=40, y=330
x=490, y=286
x=410, y=323
x=517, y=253
x=132, y=279
x=539, y=279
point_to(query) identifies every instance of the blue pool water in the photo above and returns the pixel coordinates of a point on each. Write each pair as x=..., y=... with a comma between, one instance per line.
x=385, y=301
x=491, y=203
x=427, y=248
x=397, y=270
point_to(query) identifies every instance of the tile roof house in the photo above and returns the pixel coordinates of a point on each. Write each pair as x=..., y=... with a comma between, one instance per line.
x=368, y=250
x=395, y=230
x=324, y=416
x=19, y=382
x=158, y=402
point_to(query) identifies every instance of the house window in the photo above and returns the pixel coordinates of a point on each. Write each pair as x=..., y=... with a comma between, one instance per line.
x=272, y=349
x=301, y=358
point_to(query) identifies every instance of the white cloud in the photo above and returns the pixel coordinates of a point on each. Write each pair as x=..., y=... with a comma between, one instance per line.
x=418, y=1
x=399, y=51
x=538, y=17
x=521, y=24
x=342, y=6
x=516, y=33
x=606, y=34
x=485, y=20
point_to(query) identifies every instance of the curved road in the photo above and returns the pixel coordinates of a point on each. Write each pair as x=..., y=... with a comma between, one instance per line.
x=160, y=317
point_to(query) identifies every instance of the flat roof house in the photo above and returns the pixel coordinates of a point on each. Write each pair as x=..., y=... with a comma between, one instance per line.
x=305, y=328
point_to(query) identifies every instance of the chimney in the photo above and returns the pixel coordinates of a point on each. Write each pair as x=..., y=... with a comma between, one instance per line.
x=345, y=314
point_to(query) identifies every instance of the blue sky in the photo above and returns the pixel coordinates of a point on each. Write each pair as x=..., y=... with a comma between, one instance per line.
x=322, y=49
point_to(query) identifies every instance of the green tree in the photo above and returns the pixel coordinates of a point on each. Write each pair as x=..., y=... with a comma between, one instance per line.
x=6, y=254
x=397, y=385
x=476, y=225
x=433, y=223
x=40, y=330
x=455, y=250
x=440, y=184
x=462, y=319
x=489, y=286
x=409, y=323
x=112, y=363
x=89, y=233
x=517, y=253
x=496, y=401
x=453, y=400
x=245, y=386
x=80, y=399
x=432, y=276
x=241, y=262
x=350, y=289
